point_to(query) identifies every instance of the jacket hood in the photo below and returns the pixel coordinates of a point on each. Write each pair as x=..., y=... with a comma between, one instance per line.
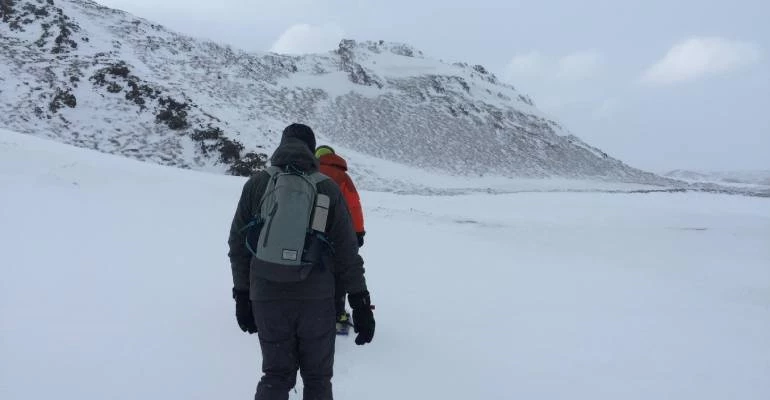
x=333, y=160
x=294, y=151
x=301, y=132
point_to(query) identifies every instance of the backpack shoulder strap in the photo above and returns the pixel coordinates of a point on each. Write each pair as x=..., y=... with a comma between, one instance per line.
x=273, y=173
x=317, y=177
x=273, y=170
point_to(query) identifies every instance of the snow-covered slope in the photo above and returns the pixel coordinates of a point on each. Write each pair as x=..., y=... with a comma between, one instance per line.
x=99, y=78
x=116, y=285
x=724, y=177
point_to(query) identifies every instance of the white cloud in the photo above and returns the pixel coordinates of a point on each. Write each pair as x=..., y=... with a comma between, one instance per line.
x=304, y=38
x=525, y=66
x=563, y=82
x=699, y=57
x=579, y=65
x=572, y=67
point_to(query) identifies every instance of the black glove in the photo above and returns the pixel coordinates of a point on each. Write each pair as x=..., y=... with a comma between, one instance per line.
x=243, y=311
x=360, y=237
x=363, y=317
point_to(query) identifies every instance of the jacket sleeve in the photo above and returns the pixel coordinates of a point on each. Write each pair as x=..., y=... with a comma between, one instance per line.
x=239, y=254
x=354, y=204
x=348, y=264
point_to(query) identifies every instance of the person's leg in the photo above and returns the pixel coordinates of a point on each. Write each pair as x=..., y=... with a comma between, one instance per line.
x=276, y=327
x=316, y=336
x=339, y=297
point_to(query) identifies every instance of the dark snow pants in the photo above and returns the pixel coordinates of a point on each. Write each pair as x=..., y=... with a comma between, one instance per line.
x=295, y=335
x=339, y=297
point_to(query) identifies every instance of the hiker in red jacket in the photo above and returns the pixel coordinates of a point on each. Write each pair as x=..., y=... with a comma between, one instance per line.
x=335, y=167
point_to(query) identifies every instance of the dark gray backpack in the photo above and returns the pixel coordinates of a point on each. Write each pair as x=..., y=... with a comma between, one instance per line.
x=290, y=225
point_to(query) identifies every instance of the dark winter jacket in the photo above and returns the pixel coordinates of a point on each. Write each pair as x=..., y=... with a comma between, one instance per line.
x=344, y=261
x=335, y=167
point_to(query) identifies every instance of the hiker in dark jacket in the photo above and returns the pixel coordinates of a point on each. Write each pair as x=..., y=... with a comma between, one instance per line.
x=295, y=321
x=335, y=167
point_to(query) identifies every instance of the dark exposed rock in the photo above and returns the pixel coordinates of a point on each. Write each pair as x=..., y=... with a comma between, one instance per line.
x=62, y=98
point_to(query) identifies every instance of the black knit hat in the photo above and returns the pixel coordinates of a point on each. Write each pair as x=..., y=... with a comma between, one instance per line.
x=301, y=132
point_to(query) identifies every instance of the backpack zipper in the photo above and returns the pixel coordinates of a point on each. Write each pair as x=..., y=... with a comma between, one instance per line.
x=269, y=223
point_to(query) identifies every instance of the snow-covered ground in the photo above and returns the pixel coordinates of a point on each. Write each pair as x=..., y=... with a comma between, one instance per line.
x=116, y=285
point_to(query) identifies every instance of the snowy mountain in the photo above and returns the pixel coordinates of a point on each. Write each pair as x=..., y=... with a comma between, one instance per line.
x=99, y=78
x=120, y=289
x=723, y=177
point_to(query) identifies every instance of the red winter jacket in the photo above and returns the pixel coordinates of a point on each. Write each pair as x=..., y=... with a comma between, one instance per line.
x=334, y=167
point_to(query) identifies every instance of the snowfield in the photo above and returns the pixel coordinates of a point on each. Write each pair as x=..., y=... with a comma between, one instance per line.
x=116, y=285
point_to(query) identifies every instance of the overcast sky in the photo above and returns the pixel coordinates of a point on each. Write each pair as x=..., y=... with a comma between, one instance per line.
x=660, y=84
